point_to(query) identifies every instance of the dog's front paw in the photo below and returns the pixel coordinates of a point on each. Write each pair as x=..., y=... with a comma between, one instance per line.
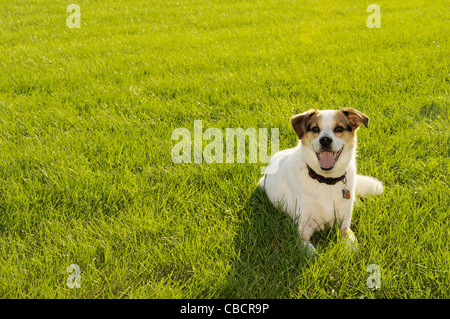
x=378, y=187
x=310, y=250
x=351, y=244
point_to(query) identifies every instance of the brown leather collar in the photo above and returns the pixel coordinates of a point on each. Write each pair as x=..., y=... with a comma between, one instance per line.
x=322, y=179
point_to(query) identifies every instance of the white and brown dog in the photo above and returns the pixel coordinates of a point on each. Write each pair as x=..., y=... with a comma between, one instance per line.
x=316, y=182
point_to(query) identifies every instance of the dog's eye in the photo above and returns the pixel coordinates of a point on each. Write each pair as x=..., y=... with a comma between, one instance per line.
x=338, y=129
x=315, y=129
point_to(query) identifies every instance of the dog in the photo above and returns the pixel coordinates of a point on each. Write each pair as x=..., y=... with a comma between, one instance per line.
x=316, y=182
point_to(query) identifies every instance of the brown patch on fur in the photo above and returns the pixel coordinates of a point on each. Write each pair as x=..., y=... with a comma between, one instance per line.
x=342, y=120
x=301, y=121
x=355, y=118
x=349, y=133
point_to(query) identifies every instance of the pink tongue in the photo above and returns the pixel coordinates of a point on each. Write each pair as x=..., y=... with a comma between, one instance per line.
x=326, y=160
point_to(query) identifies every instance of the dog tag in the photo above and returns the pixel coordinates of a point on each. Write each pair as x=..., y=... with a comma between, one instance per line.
x=345, y=194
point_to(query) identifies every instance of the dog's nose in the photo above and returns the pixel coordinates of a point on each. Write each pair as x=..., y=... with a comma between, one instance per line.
x=325, y=141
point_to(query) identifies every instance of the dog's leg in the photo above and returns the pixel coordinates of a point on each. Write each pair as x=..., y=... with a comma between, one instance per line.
x=306, y=233
x=261, y=182
x=366, y=186
x=350, y=240
x=310, y=249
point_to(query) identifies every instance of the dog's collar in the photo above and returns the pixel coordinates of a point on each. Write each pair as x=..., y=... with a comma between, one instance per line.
x=322, y=179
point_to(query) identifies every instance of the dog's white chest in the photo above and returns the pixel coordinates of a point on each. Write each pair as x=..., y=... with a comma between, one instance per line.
x=322, y=204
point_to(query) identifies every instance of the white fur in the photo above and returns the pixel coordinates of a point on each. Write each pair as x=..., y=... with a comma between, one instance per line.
x=310, y=203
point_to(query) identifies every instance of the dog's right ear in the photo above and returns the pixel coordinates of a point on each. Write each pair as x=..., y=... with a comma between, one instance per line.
x=300, y=121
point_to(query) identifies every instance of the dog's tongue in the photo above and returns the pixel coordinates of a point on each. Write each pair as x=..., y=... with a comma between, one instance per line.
x=326, y=160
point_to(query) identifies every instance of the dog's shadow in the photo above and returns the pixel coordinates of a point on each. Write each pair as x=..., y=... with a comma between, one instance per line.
x=269, y=254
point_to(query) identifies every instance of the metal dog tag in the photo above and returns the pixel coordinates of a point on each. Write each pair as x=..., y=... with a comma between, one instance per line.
x=346, y=194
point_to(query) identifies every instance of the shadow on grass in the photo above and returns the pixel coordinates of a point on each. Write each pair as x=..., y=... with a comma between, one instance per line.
x=270, y=257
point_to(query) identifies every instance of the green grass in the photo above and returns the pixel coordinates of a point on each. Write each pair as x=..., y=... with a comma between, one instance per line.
x=86, y=175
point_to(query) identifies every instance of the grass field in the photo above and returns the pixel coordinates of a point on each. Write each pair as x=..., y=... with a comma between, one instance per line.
x=87, y=178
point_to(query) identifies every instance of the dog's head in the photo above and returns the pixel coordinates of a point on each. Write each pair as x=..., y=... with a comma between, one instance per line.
x=329, y=138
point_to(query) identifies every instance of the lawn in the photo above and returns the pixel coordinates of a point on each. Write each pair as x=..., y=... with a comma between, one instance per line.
x=87, y=177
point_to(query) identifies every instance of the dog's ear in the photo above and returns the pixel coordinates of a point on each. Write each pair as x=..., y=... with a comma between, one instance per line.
x=300, y=121
x=356, y=118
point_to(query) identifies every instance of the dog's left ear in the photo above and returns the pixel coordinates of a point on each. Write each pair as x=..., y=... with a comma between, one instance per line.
x=356, y=118
x=300, y=121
